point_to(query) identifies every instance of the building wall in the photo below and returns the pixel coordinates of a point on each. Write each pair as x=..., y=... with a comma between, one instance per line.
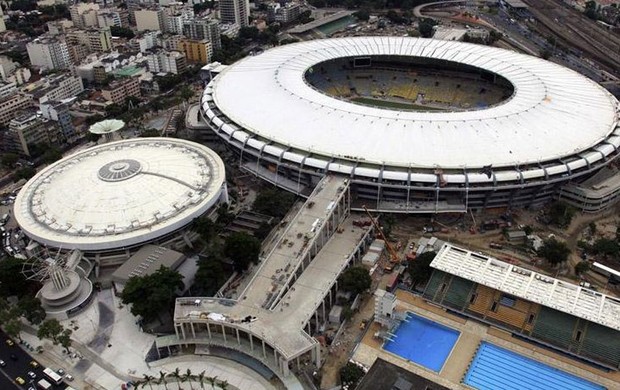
x=11, y=107
x=149, y=20
x=235, y=11
x=196, y=51
x=49, y=54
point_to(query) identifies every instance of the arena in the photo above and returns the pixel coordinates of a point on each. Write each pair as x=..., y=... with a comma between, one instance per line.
x=418, y=125
x=112, y=198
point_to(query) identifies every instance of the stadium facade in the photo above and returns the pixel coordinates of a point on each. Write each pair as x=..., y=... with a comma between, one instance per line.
x=552, y=127
x=109, y=200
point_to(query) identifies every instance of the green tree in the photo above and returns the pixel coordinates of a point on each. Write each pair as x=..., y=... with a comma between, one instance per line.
x=425, y=27
x=12, y=281
x=188, y=377
x=201, y=379
x=210, y=276
x=273, y=201
x=420, y=268
x=362, y=15
x=212, y=381
x=150, y=133
x=30, y=307
x=242, y=249
x=50, y=329
x=355, y=279
x=592, y=228
x=176, y=374
x=24, y=173
x=52, y=154
x=561, y=214
x=606, y=247
x=9, y=159
x=186, y=93
x=123, y=32
x=151, y=294
x=350, y=375
x=162, y=380
x=205, y=227
x=64, y=339
x=582, y=267
x=554, y=251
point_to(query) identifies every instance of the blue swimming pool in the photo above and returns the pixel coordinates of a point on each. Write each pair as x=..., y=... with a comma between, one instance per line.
x=494, y=368
x=423, y=341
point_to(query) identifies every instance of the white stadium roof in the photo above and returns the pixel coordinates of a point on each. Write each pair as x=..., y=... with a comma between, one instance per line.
x=530, y=285
x=120, y=194
x=554, y=112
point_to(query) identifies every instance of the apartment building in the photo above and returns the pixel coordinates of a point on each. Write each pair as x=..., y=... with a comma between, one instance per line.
x=120, y=89
x=167, y=62
x=197, y=51
x=27, y=130
x=12, y=106
x=49, y=53
x=149, y=19
x=200, y=29
x=235, y=12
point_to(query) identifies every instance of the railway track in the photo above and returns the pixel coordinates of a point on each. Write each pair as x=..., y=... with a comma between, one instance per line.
x=576, y=30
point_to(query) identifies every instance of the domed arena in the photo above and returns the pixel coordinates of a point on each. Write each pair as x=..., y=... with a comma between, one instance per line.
x=418, y=125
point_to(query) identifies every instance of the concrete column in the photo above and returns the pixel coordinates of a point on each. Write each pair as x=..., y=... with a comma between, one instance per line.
x=298, y=365
x=309, y=329
x=323, y=307
x=284, y=367
x=176, y=330
x=317, y=359
x=183, y=330
x=209, y=331
x=191, y=325
x=238, y=338
x=275, y=358
x=316, y=319
x=224, y=333
x=331, y=300
x=251, y=342
x=264, y=353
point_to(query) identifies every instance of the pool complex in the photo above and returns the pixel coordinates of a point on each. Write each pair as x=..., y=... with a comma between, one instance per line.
x=495, y=368
x=423, y=341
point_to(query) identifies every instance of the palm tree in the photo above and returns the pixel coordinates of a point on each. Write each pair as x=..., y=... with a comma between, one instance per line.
x=147, y=380
x=189, y=378
x=162, y=379
x=176, y=374
x=223, y=385
x=212, y=381
x=201, y=379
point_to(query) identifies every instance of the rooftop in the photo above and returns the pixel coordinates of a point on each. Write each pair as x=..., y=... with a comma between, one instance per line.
x=530, y=285
x=120, y=194
x=146, y=261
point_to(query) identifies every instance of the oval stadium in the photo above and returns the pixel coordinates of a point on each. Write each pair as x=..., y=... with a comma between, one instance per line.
x=112, y=198
x=418, y=125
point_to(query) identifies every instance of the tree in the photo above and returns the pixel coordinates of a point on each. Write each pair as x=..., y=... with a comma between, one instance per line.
x=150, y=133
x=362, y=15
x=212, y=381
x=355, y=279
x=64, y=339
x=123, y=32
x=561, y=214
x=162, y=380
x=582, y=267
x=188, y=377
x=554, y=251
x=209, y=277
x=24, y=173
x=52, y=154
x=201, y=379
x=30, y=307
x=606, y=247
x=9, y=159
x=151, y=294
x=176, y=374
x=350, y=375
x=205, y=227
x=242, y=249
x=147, y=380
x=12, y=281
x=50, y=329
x=425, y=27
x=13, y=327
x=273, y=201
x=186, y=93
x=420, y=269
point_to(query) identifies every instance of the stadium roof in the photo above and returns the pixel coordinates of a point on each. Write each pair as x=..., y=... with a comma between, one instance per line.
x=530, y=285
x=120, y=194
x=554, y=112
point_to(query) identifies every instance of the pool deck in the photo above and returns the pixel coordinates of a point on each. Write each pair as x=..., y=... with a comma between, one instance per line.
x=472, y=334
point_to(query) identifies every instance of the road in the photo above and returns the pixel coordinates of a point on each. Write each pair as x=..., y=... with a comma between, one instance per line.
x=18, y=366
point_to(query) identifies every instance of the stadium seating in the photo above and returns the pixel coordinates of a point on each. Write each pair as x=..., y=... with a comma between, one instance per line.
x=601, y=343
x=433, y=285
x=484, y=298
x=458, y=293
x=556, y=328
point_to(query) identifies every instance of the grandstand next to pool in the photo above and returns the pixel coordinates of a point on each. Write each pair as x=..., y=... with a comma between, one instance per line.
x=555, y=313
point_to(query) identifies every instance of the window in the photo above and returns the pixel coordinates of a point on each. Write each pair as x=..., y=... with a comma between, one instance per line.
x=530, y=319
x=578, y=335
x=494, y=307
x=473, y=297
x=443, y=288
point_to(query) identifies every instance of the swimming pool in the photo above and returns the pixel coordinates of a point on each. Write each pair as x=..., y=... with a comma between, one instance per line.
x=494, y=368
x=423, y=341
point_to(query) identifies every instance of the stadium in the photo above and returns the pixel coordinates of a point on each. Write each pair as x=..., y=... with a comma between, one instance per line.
x=108, y=200
x=417, y=125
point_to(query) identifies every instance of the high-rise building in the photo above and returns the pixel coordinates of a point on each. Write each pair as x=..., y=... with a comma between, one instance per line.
x=200, y=29
x=235, y=12
x=48, y=54
x=84, y=14
x=56, y=87
x=167, y=62
x=27, y=130
x=2, y=25
x=96, y=40
x=120, y=89
x=149, y=19
x=59, y=113
x=7, y=89
x=12, y=106
x=198, y=51
x=109, y=18
x=148, y=40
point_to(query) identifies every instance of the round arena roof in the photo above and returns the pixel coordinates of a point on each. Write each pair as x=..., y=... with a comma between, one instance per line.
x=554, y=111
x=120, y=194
x=107, y=126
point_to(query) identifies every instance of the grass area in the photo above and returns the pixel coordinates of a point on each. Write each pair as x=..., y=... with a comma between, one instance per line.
x=396, y=105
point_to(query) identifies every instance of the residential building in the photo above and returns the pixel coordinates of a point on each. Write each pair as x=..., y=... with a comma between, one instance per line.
x=7, y=89
x=2, y=24
x=167, y=62
x=287, y=13
x=57, y=27
x=7, y=67
x=20, y=76
x=170, y=42
x=198, y=51
x=84, y=14
x=147, y=41
x=49, y=53
x=55, y=87
x=149, y=19
x=118, y=90
x=96, y=40
x=200, y=29
x=235, y=12
x=11, y=107
x=27, y=130
x=59, y=113
x=109, y=18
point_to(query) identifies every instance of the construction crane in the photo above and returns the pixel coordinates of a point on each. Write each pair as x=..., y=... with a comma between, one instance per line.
x=393, y=255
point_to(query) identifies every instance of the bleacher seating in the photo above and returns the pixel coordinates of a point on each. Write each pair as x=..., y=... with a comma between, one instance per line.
x=433, y=284
x=484, y=298
x=457, y=293
x=601, y=343
x=556, y=328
